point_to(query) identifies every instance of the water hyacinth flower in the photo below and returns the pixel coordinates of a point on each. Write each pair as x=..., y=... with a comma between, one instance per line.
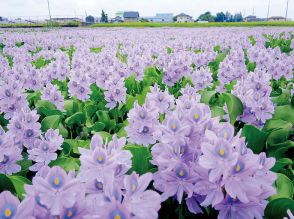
x=104, y=165
x=135, y=202
x=254, y=92
x=143, y=121
x=52, y=94
x=24, y=126
x=115, y=93
x=44, y=150
x=12, y=99
x=161, y=100
x=202, y=78
x=79, y=86
x=57, y=190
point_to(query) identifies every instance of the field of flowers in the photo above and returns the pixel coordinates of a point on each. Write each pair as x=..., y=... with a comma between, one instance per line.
x=147, y=123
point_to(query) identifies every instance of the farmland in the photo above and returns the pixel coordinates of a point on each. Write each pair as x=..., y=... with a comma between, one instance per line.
x=147, y=122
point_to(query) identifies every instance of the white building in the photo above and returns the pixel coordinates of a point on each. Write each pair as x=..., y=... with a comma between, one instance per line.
x=184, y=18
x=161, y=17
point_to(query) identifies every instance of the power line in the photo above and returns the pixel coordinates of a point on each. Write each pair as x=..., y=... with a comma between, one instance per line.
x=268, y=8
x=49, y=12
x=287, y=10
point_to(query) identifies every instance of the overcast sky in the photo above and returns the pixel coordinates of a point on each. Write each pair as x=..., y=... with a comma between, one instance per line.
x=15, y=8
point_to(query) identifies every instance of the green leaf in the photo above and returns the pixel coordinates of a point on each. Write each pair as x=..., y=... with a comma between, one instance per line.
x=70, y=107
x=284, y=187
x=18, y=183
x=283, y=150
x=50, y=122
x=103, y=116
x=45, y=104
x=105, y=136
x=130, y=102
x=217, y=111
x=140, y=159
x=281, y=163
x=47, y=108
x=275, y=124
x=75, y=144
x=121, y=133
x=206, y=96
x=234, y=105
x=67, y=163
x=285, y=113
x=6, y=184
x=97, y=127
x=63, y=131
x=25, y=163
x=277, y=209
x=77, y=118
x=255, y=138
x=278, y=136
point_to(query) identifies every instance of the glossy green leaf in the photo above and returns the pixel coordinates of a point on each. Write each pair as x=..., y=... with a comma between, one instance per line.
x=234, y=105
x=284, y=187
x=140, y=159
x=255, y=138
x=277, y=209
x=77, y=118
x=281, y=163
x=50, y=122
x=67, y=163
x=285, y=113
x=18, y=183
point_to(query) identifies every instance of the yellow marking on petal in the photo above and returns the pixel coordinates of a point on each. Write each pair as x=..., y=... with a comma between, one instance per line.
x=142, y=115
x=117, y=217
x=174, y=126
x=7, y=212
x=56, y=181
x=100, y=158
x=100, y=186
x=181, y=173
x=225, y=135
x=196, y=116
x=238, y=168
x=222, y=152
x=69, y=213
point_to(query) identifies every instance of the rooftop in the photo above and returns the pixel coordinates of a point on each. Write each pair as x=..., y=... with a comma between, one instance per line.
x=131, y=14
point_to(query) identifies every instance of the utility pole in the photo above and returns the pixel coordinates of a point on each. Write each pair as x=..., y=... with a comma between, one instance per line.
x=287, y=10
x=268, y=8
x=49, y=12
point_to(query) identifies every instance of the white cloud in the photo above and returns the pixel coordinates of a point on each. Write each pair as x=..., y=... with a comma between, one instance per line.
x=33, y=8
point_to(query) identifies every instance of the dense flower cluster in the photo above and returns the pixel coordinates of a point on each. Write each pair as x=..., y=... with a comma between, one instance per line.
x=254, y=91
x=200, y=159
x=197, y=158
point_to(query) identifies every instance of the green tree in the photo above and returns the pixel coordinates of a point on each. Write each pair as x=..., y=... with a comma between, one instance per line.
x=220, y=17
x=238, y=17
x=207, y=16
x=104, y=17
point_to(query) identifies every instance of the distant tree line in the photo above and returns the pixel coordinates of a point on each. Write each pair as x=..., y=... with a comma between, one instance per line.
x=104, y=18
x=221, y=17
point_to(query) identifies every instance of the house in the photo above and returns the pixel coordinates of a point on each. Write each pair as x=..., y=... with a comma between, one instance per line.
x=250, y=18
x=161, y=17
x=131, y=16
x=184, y=18
x=276, y=18
x=119, y=14
x=66, y=20
x=117, y=19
